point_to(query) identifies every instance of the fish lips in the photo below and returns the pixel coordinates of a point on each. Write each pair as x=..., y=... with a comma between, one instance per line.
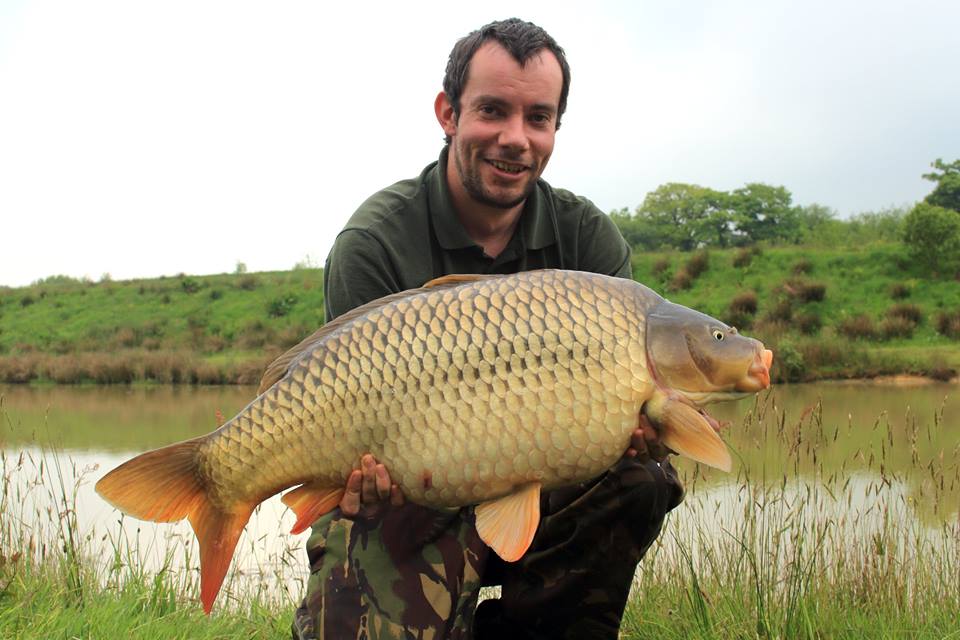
x=758, y=375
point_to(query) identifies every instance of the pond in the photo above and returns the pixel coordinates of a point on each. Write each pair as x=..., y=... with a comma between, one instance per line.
x=855, y=455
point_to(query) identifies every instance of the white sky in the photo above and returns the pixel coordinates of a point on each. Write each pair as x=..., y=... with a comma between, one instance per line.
x=149, y=138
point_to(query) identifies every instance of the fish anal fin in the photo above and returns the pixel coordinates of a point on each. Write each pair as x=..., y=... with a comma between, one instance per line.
x=689, y=433
x=507, y=525
x=217, y=532
x=310, y=501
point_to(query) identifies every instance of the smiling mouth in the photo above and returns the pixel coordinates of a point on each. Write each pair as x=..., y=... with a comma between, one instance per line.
x=508, y=167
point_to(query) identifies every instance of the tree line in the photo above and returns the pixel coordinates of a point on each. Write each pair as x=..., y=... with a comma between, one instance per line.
x=689, y=216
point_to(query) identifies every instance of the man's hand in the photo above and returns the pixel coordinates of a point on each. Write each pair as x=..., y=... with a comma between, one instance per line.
x=645, y=442
x=369, y=488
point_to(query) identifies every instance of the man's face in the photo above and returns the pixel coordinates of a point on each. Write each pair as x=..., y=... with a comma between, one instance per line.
x=504, y=135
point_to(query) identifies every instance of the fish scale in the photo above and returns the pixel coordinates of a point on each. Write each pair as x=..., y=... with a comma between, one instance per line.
x=572, y=359
x=469, y=389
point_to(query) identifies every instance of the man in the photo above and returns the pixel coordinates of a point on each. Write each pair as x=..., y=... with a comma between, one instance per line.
x=385, y=569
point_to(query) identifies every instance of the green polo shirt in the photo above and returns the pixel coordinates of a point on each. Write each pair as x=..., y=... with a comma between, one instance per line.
x=409, y=233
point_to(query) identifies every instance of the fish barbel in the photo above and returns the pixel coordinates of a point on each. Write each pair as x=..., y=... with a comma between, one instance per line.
x=471, y=390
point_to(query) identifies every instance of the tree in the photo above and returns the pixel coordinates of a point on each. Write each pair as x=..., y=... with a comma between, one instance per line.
x=763, y=212
x=947, y=177
x=686, y=216
x=932, y=235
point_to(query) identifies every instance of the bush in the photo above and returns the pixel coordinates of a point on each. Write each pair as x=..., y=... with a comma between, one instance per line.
x=247, y=283
x=189, y=285
x=899, y=291
x=932, y=235
x=802, y=266
x=807, y=291
x=858, y=327
x=681, y=280
x=279, y=307
x=905, y=311
x=896, y=327
x=698, y=263
x=948, y=324
x=216, y=294
x=807, y=323
x=745, y=256
x=660, y=267
x=781, y=312
x=742, y=309
x=789, y=362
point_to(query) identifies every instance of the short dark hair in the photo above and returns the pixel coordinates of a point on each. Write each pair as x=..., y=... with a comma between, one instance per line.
x=522, y=39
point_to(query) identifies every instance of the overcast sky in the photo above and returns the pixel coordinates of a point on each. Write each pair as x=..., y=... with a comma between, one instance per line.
x=150, y=138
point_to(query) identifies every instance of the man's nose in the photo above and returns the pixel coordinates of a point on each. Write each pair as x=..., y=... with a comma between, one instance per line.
x=514, y=134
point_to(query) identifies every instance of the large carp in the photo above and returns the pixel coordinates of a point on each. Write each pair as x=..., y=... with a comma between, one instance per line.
x=471, y=390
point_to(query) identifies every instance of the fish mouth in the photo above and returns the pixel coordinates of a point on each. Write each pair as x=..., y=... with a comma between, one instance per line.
x=758, y=375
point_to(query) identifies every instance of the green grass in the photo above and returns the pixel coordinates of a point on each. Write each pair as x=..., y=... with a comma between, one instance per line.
x=854, y=282
x=226, y=328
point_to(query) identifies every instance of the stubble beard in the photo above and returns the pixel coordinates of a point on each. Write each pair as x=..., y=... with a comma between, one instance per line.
x=473, y=185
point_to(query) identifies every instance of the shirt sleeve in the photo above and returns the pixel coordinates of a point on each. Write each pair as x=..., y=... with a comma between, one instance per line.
x=357, y=271
x=602, y=248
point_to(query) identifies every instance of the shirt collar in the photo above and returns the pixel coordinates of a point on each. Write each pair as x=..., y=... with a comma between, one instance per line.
x=536, y=222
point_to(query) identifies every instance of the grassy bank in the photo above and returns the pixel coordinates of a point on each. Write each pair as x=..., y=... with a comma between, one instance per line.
x=808, y=550
x=835, y=313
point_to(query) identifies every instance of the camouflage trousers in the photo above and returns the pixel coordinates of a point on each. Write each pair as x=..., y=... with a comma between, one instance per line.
x=413, y=572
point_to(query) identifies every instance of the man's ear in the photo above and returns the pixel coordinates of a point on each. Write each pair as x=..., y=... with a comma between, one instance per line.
x=446, y=116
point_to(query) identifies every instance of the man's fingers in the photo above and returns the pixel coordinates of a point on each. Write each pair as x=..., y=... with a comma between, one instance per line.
x=396, y=496
x=369, y=491
x=382, y=482
x=350, y=502
x=638, y=444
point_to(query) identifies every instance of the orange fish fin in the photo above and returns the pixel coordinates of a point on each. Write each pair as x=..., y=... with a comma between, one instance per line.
x=455, y=279
x=309, y=502
x=217, y=532
x=687, y=432
x=160, y=485
x=165, y=485
x=508, y=524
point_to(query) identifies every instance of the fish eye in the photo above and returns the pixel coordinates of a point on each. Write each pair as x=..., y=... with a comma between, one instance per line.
x=718, y=334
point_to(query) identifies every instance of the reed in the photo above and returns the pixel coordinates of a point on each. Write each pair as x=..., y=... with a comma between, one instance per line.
x=811, y=552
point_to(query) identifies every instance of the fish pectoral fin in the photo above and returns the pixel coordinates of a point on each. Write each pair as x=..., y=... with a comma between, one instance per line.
x=310, y=501
x=507, y=525
x=689, y=433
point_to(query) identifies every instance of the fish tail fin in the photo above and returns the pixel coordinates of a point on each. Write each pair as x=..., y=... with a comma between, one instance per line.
x=164, y=485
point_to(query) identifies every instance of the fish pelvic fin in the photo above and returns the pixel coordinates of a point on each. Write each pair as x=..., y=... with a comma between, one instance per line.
x=507, y=525
x=684, y=430
x=310, y=501
x=164, y=485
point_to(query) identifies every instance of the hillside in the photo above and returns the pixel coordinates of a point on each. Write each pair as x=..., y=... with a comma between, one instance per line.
x=826, y=313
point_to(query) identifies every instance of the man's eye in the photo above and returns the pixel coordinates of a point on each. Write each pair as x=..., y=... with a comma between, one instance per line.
x=540, y=118
x=489, y=110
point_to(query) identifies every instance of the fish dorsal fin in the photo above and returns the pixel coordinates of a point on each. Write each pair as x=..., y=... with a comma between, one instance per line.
x=310, y=501
x=507, y=524
x=279, y=367
x=688, y=433
x=455, y=279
